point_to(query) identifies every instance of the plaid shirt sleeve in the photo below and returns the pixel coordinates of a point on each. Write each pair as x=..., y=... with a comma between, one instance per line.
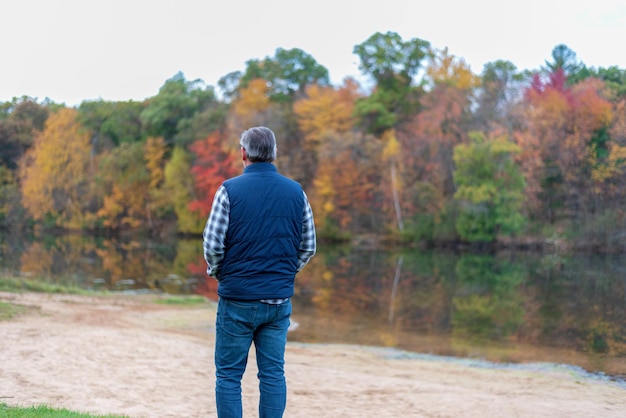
x=215, y=232
x=308, y=242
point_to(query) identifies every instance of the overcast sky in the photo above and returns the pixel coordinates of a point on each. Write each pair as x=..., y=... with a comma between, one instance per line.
x=75, y=50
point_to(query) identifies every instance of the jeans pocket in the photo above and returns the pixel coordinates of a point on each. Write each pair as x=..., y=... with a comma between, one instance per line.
x=236, y=318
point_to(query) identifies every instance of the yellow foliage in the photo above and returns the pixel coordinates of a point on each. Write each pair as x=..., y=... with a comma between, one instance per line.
x=323, y=197
x=112, y=207
x=325, y=110
x=55, y=172
x=154, y=151
x=391, y=144
x=328, y=207
x=448, y=69
x=252, y=98
x=613, y=168
x=249, y=108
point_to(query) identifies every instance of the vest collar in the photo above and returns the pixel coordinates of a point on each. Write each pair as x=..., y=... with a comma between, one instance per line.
x=260, y=168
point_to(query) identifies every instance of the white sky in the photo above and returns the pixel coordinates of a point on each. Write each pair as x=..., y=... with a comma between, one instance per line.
x=75, y=50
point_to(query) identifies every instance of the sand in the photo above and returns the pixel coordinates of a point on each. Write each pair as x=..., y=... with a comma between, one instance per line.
x=128, y=355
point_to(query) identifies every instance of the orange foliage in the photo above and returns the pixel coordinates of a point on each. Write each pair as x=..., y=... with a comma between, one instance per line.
x=126, y=184
x=592, y=111
x=428, y=140
x=345, y=180
x=558, y=143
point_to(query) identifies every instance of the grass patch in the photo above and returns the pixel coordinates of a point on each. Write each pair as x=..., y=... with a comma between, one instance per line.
x=46, y=412
x=16, y=284
x=8, y=311
x=182, y=300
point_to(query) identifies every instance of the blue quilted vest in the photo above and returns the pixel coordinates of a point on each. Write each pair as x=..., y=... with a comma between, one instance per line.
x=264, y=233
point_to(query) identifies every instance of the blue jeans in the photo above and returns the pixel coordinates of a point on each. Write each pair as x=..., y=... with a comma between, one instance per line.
x=238, y=324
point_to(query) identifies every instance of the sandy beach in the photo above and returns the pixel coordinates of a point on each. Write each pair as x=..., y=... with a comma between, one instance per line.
x=128, y=355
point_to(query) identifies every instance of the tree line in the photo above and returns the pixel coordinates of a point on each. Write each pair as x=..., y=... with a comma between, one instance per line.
x=427, y=152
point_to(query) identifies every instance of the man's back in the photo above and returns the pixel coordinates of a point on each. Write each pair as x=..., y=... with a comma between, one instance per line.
x=264, y=233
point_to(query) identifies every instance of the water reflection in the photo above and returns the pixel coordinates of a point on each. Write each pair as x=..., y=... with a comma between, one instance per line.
x=510, y=307
x=113, y=263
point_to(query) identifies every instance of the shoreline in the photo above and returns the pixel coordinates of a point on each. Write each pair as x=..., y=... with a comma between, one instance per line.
x=129, y=355
x=576, y=371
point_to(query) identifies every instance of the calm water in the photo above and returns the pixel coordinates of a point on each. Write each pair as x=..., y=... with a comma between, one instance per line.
x=510, y=307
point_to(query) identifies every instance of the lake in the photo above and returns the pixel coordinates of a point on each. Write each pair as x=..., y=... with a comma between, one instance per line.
x=510, y=307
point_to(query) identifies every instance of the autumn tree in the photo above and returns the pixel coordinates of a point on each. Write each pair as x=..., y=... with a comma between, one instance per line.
x=545, y=113
x=445, y=68
x=250, y=107
x=567, y=129
x=427, y=141
x=55, y=173
x=490, y=188
x=263, y=94
x=214, y=162
x=391, y=63
x=158, y=200
x=179, y=187
x=604, y=123
x=125, y=182
x=345, y=195
x=423, y=158
x=326, y=110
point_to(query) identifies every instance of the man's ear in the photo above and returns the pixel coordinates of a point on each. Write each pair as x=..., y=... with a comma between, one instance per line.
x=244, y=155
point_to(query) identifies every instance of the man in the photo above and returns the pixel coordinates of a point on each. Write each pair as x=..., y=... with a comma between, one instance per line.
x=259, y=234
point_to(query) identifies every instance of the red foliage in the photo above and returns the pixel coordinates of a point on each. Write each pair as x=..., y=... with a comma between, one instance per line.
x=213, y=164
x=557, y=83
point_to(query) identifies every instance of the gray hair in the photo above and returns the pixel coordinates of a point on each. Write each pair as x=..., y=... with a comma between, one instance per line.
x=260, y=144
